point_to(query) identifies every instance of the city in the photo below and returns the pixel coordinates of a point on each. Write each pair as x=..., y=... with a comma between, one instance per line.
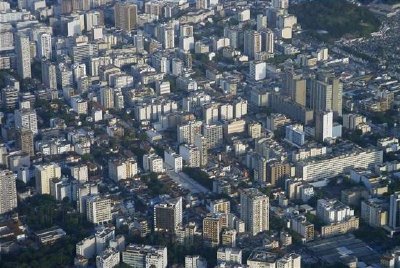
x=199, y=133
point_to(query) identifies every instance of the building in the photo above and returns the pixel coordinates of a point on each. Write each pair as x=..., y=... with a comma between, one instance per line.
x=98, y=209
x=295, y=87
x=323, y=125
x=27, y=119
x=326, y=94
x=187, y=132
x=8, y=191
x=214, y=135
x=108, y=259
x=190, y=155
x=212, y=227
x=394, y=210
x=125, y=15
x=228, y=237
x=339, y=228
x=173, y=160
x=168, y=215
x=300, y=225
x=44, y=47
x=341, y=159
x=195, y=261
x=277, y=171
x=258, y=70
x=86, y=247
x=254, y=130
x=49, y=74
x=374, y=212
x=331, y=211
x=22, y=49
x=122, y=169
x=229, y=255
x=144, y=256
x=252, y=43
x=295, y=134
x=24, y=141
x=220, y=206
x=254, y=210
x=107, y=97
x=43, y=175
x=153, y=163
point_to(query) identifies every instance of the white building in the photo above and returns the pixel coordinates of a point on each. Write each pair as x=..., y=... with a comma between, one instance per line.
x=333, y=211
x=145, y=256
x=190, y=154
x=153, y=163
x=258, y=70
x=254, y=210
x=173, y=160
x=108, y=259
x=195, y=261
x=98, y=210
x=229, y=255
x=122, y=169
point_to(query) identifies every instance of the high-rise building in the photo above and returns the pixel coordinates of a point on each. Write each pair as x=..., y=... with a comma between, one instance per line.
x=202, y=143
x=267, y=40
x=326, y=94
x=49, y=74
x=125, y=15
x=254, y=210
x=24, y=141
x=277, y=171
x=187, y=132
x=26, y=118
x=144, y=256
x=8, y=191
x=280, y=4
x=252, y=43
x=323, y=125
x=394, y=213
x=107, y=97
x=166, y=35
x=214, y=134
x=44, y=49
x=295, y=87
x=98, y=209
x=43, y=175
x=168, y=215
x=22, y=49
x=212, y=227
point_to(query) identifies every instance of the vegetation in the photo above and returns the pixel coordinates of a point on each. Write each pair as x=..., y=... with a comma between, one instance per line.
x=338, y=17
x=154, y=185
x=200, y=176
x=43, y=211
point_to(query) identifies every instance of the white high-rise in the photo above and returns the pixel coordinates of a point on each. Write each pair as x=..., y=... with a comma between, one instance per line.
x=324, y=125
x=8, y=191
x=254, y=210
x=44, y=46
x=22, y=49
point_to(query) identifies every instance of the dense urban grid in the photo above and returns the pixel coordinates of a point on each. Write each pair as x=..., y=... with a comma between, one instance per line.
x=199, y=133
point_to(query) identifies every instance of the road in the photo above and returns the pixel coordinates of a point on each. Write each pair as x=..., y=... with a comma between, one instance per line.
x=186, y=182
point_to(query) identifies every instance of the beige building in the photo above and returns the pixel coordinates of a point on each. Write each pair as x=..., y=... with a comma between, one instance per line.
x=212, y=226
x=43, y=174
x=343, y=227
